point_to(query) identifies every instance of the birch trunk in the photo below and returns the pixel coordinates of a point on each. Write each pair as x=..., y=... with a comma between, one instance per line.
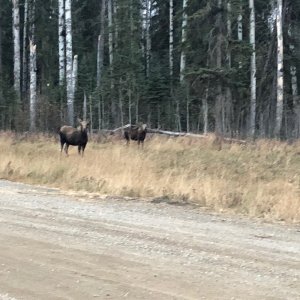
x=99, y=60
x=17, y=53
x=61, y=42
x=110, y=37
x=32, y=86
x=24, y=60
x=111, y=58
x=240, y=25
x=205, y=110
x=69, y=62
x=279, y=106
x=171, y=41
x=253, y=70
x=74, y=76
x=228, y=33
x=84, y=106
x=183, y=40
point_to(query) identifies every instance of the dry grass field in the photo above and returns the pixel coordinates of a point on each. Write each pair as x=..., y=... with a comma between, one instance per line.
x=259, y=179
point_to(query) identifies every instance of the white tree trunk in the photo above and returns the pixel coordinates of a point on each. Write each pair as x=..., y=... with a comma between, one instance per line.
x=32, y=86
x=171, y=41
x=17, y=53
x=24, y=60
x=253, y=70
x=240, y=25
x=99, y=60
x=183, y=40
x=279, y=106
x=205, y=110
x=229, y=31
x=74, y=76
x=240, y=29
x=110, y=35
x=84, y=106
x=69, y=61
x=61, y=42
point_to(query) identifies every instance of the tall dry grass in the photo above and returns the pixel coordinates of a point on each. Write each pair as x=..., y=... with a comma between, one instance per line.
x=261, y=179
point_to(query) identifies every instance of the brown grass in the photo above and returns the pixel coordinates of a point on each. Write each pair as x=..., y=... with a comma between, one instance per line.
x=261, y=179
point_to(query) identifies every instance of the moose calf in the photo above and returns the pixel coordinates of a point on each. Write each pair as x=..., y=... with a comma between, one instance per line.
x=74, y=136
x=136, y=133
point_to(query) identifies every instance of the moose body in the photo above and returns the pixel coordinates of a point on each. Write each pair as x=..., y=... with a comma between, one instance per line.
x=74, y=136
x=136, y=133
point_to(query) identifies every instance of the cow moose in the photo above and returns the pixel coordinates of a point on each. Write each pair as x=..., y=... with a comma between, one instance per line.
x=136, y=133
x=74, y=136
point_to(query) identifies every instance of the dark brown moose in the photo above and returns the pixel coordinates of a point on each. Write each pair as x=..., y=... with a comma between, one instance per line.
x=74, y=136
x=136, y=133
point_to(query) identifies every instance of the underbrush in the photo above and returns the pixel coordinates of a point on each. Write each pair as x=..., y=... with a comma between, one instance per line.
x=258, y=179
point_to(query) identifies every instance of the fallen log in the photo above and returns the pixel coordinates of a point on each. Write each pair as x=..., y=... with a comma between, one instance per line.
x=194, y=135
x=177, y=134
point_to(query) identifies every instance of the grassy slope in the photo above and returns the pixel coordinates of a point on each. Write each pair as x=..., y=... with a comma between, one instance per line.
x=261, y=179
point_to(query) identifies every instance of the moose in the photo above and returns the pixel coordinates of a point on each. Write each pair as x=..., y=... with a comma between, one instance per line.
x=74, y=136
x=136, y=133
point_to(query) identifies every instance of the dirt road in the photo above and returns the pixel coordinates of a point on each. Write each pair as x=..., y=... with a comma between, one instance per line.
x=58, y=247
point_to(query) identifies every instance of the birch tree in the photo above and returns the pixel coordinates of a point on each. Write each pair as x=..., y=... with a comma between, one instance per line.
x=253, y=70
x=279, y=105
x=74, y=76
x=183, y=40
x=61, y=41
x=69, y=61
x=32, y=109
x=17, y=53
x=240, y=25
x=110, y=37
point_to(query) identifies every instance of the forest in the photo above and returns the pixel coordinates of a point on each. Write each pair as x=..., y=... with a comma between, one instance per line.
x=225, y=66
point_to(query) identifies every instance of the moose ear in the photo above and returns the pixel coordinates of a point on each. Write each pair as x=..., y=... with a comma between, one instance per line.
x=79, y=120
x=88, y=121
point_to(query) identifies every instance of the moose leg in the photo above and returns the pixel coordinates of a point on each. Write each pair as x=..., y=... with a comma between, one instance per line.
x=61, y=147
x=79, y=149
x=66, y=149
x=83, y=147
x=127, y=137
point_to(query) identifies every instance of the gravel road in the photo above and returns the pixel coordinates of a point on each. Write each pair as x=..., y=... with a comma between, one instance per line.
x=54, y=246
